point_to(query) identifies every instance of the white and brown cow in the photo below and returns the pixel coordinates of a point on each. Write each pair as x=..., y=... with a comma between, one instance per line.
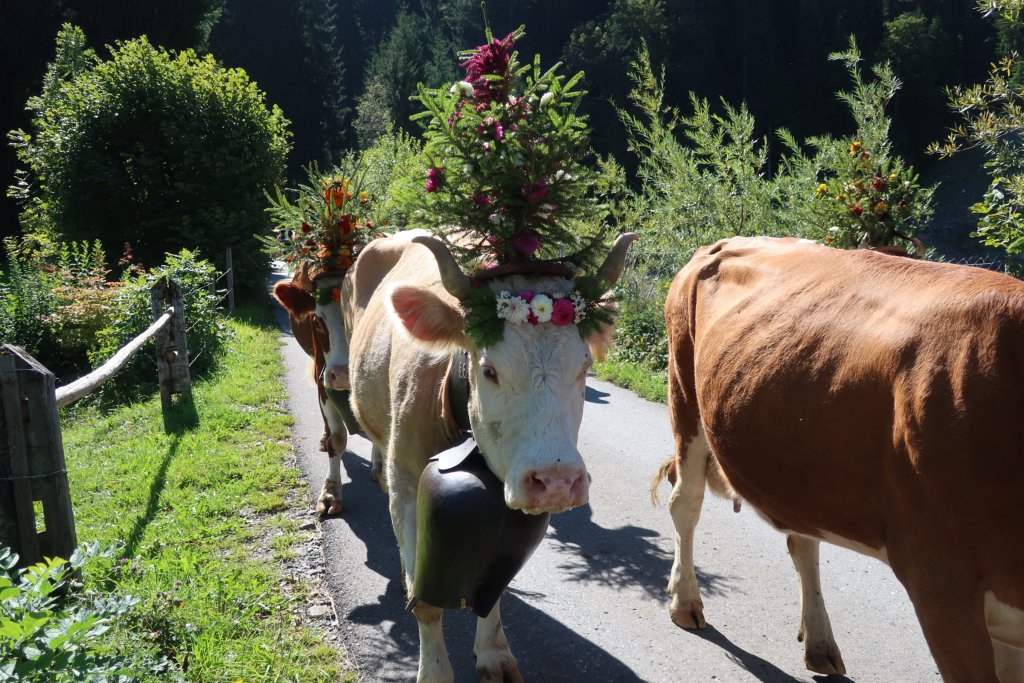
x=870, y=401
x=525, y=406
x=318, y=328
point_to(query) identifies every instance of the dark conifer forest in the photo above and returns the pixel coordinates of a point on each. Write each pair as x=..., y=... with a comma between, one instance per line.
x=342, y=71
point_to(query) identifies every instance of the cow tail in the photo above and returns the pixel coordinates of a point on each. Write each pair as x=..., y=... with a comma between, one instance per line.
x=666, y=471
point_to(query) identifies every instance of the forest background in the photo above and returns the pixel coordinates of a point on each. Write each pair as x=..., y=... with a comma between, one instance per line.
x=342, y=71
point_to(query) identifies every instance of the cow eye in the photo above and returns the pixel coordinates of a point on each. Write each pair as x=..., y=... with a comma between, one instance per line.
x=490, y=373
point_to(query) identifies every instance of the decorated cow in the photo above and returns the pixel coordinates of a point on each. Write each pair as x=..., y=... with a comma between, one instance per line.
x=324, y=229
x=472, y=386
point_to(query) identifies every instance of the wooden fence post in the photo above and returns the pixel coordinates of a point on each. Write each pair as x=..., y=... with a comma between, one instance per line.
x=32, y=464
x=229, y=271
x=171, y=345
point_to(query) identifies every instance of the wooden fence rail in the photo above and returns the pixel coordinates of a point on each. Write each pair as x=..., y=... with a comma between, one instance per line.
x=33, y=475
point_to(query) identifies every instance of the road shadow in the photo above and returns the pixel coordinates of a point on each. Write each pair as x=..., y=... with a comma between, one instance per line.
x=592, y=395
x=761, y=669
x=624, y=557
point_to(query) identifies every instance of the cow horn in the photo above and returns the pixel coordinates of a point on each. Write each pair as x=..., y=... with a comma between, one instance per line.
x=454, y=280
x=610, y=271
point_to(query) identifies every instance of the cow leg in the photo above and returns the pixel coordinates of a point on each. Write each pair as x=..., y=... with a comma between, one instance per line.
x=377, y=468
x=329, y=500
x=494, y=660
x=821, y=654
x=684, y=505
x=950, y=607
x=434, y=664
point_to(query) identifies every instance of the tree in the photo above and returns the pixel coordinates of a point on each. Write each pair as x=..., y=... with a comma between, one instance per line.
x=993, y=120
x=163, y=150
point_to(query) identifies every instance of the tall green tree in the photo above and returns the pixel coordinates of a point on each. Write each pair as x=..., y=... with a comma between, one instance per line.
x=164, y=150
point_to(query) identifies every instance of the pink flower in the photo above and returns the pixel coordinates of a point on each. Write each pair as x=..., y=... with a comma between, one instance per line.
x=563, y=312
x=532, y=319
x=536, y=190
x=499, y=132
x=486, y=60
x=434, y=178
x=527, y=295
x=527, y=242
x=482, y=200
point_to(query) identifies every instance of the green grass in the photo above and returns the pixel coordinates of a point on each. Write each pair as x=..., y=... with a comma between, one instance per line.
x=644, y=382
x=198, y=504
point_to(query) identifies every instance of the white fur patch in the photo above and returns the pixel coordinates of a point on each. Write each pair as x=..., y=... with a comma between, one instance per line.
x=1005, y=622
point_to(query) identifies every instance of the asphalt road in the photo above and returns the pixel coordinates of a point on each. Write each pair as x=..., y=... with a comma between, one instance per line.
x=590, y=605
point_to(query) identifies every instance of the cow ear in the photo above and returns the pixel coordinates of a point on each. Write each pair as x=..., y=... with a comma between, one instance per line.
x=428, y=318
x=296, y=299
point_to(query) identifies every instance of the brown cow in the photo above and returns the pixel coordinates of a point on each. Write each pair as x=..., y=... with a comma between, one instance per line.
x=525, y=403
x=870, y=401
x=312, y=327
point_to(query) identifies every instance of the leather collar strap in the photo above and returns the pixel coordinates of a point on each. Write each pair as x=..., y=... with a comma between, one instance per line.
x=458, y=389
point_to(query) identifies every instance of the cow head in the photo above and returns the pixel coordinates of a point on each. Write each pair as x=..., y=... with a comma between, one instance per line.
x=316, y=321
x=527, y=390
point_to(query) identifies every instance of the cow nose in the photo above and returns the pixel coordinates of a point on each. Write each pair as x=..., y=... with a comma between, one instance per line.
x=336, y=377
x=556, y=488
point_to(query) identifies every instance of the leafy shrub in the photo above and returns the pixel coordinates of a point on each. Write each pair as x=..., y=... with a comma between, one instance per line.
x=206, y=331
x=54, y=298
x=50, y=633
x=865, y=196
x=164, y=150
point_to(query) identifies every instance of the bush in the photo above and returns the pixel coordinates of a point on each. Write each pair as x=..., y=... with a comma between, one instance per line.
x=52, y=634
x=53, y=301
x=206, y=331
x=164, y=150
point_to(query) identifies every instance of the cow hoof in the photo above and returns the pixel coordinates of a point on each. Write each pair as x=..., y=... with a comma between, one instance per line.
x=824, y=658
x=688, y=614
x=504, y=670
x=329, y=502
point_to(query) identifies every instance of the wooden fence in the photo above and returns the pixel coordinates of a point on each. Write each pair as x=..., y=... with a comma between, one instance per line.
x=36, y=519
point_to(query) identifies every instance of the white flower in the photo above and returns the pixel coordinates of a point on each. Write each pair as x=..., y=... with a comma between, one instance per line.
x=546, y=98
x=518, y=310
x=467, y=168
x=580, y=304
x=561, y=175
x=494, y=218
x=465, y=87
x=542, y=307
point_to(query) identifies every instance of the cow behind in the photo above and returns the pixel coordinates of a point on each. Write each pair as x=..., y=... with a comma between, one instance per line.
x=870, y=401
x=525, y=408
x=318, y=328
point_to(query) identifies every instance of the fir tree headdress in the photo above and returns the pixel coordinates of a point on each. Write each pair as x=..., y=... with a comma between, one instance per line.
x=507, y=190
x=325, y=227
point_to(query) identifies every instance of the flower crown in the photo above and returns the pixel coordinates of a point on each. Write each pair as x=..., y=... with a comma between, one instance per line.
x=326, y=227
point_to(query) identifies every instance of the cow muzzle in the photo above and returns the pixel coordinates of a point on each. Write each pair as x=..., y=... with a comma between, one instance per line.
x=336, y=377
x=555, y=488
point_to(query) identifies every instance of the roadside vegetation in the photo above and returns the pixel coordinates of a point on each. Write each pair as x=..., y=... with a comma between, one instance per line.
x=203, y=518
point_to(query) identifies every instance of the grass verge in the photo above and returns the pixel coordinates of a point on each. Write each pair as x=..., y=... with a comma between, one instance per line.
x=644, y=382
x=206, y=508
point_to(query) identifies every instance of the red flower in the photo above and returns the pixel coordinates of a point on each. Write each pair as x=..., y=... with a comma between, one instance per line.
x=306, y=227
x=878, y=184
x=434, y=177
x=527, y=242
x=482, y=200
x=345, y=224
x=563, y=312
x=535, y=191
x=490, y=60
x=856, y=209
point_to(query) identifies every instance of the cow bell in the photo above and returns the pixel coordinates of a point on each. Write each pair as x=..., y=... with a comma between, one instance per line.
x=469, y=544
